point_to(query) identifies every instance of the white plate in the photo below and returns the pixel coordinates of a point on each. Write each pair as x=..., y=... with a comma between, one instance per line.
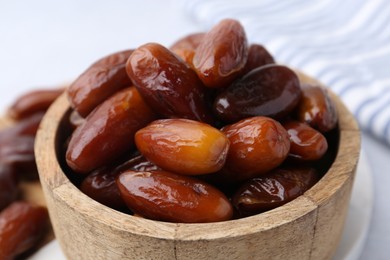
x=355, y=230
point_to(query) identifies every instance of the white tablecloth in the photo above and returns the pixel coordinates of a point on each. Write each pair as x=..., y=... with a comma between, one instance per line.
x=44, y=43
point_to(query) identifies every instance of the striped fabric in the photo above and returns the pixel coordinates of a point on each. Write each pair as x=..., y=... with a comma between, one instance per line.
x=344, y=44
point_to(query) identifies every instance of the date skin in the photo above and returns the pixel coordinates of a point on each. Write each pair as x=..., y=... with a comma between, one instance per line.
x=164, y=196
x=258, y=56
x=8, y=185
x=167, y=83
x=317, y=109
x=186, y=46
x=22, y=225
x=273, y=189
x=33, y=102
x=222, y=54
x=100, y=81
x=307, y=144
x=108, y=132
x=257, y=145
x=183, y=146
x=272, y=91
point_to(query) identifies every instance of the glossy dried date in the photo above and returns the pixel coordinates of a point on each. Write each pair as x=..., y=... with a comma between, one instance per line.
x=183, y=146
x=271, y=90
x=26, y=126
x=33, y=102
x=317, y=108
x=164, y=196
x=222, y=54
x=257, y=145
x=22, y=225
x=19, y=152
x=167, y=83
x=186, y=46
x=8, y=185
x=258, y=56
x=273, y=189
x=108, y=131
x=100, y=81
x=307, y=144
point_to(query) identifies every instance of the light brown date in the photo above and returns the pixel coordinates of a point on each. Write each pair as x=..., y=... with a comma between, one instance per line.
x=183, y=146
x=22, y=225
x=100, y=81
x=307, y=144
x=108, y=132
x=167, y=83
x=317, y=108
x=273, y=189
x=222, y=54
x=257, y=145
x=165, y=196
x=33, y=102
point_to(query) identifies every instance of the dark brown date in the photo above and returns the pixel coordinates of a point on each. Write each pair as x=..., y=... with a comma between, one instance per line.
x=164, y=196
x=108, y=131
x=271, y=90
x=258, y=56
x=101, y=186
x=317, y=108
x=186, y=46
x=8, y=185
x=307, y=144
x=19, y=153
x=222, y=54
x=273, y=189
x=33, y=102
x=26, y=126
x=100, y=81
x=257, y=145
x=167, y=83
x=22, y=225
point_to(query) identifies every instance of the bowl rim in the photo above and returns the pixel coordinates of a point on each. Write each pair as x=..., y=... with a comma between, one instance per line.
x=51, y=174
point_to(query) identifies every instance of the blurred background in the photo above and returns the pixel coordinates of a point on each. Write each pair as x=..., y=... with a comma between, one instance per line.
x=345, y=44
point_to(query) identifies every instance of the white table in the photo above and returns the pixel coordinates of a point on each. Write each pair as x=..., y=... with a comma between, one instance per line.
x=45, y=43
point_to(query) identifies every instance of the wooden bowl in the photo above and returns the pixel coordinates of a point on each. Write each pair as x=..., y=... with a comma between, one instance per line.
x=308, y=227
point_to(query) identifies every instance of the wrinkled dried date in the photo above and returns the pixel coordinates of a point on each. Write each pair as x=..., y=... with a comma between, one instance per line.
x=317, y=108
x=167, y=83
x=22, y=225
x=222, y=54
x=165, y=196
x=100, y=81
x=33, y=102
x=273, y=189
x=183, y=146
x=307, y=144
x=108, y=131
x=257, y=145
x=271, y=90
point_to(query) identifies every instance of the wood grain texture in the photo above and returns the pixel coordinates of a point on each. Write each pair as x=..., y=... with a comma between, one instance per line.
x=308, y=227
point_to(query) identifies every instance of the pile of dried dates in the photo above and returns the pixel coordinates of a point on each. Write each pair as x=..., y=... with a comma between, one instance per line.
x=22, y=222
x=208, y=130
